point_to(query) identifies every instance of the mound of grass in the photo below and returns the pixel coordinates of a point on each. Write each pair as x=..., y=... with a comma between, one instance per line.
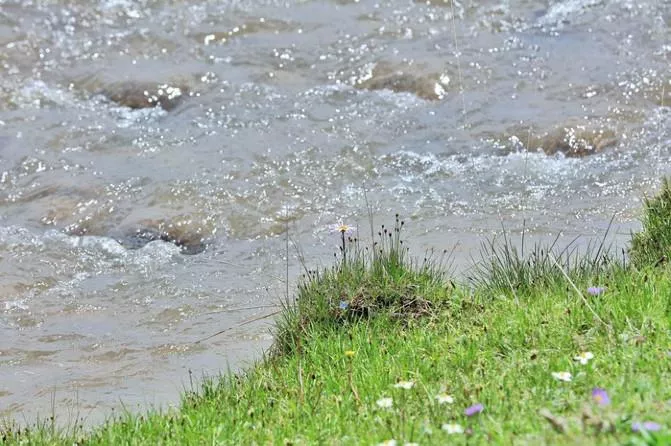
x=652, y=246
x=380, y=280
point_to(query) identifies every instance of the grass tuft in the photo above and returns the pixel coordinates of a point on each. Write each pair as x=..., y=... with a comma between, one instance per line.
x=505, y=269
x=652, y=246
x=377, y=280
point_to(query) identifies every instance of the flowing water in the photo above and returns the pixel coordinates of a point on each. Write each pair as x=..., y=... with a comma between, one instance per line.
x=128, y=232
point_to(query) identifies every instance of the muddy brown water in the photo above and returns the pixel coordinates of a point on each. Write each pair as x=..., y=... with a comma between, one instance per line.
x=129, y=231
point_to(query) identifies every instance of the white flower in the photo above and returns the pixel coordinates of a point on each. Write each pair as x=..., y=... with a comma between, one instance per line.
x=410, y=444
x=391, y=442
x=385, y=403
x=453, y=428
x=562, y=376
x=426, y=429
x=342, y=228
x=444, y=398
x=407, y=385
x=584, y=357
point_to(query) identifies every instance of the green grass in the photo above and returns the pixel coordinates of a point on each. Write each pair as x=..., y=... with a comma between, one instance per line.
x=377, y=318
x=652, y=246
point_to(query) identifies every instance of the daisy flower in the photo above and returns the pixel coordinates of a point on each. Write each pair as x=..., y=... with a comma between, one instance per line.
x=649, y=426
x=595, y=290
x=342, y=228
x=407, y=385
x=600, y=396
x=584, y=357
x=562, y=376
x=474, y=410
x=444, y=398
x=452, y=429
x=385, y=403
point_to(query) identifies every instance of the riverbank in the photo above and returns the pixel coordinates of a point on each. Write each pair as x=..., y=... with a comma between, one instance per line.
x=550, y=348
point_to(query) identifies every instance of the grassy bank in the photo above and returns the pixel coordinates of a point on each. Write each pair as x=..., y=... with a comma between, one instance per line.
x=545, y=349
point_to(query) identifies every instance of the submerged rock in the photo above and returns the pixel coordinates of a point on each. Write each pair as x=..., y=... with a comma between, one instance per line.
x=138, y=95
x=405, y=80
x=189, y=240
x=88, y=212
x=249, y=27
x=572, y=140
x=139, y=237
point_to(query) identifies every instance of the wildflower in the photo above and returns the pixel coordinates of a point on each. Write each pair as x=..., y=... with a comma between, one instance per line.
x=342, y=228
x=600, y=396
x=349, y=353
x=343, y=305
x=426, y=428
x=391, y=442
x=562, y=376
x=453, y=428
x=584, y=357
x=474, y=410
x=444, y=399
x=649, y=426
x=407, y=385
x=595, y=290
x=385, y=403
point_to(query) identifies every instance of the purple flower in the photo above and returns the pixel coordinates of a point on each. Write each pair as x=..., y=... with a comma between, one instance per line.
x=596, y=290
x=474, y=410
x=600, y=396
x=343, y=305
x=649, y=426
